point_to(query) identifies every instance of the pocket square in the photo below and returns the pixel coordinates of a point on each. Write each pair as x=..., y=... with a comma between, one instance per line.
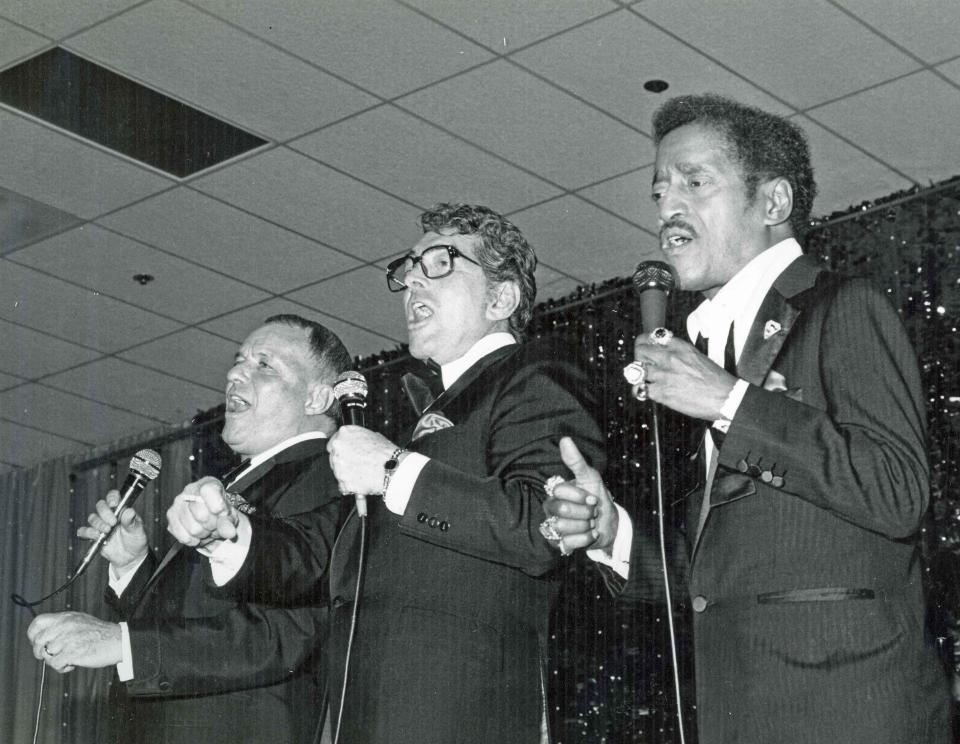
x=775, y=382
x=429, y=423
x=772, y=328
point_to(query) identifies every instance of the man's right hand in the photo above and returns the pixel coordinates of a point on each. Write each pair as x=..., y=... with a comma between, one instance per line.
x=585, y=512
x=128, y=544
x=201, y=514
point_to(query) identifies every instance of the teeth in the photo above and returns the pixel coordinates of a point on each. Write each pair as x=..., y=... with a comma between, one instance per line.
x=421, y=311
x=235, y=404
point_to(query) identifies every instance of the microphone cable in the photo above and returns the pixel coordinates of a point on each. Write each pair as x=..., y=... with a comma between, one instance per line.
x=361, y=566
x=666, y=576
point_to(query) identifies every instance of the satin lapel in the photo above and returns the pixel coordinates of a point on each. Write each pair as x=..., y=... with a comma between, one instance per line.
x=467, y=378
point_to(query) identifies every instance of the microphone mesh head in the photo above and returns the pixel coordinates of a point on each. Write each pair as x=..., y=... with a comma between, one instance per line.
x=654, y=275
x=146, y=463
x=350, y=384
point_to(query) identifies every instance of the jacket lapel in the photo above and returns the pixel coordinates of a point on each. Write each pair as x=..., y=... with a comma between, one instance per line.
x=755, y=363
x=467, y=378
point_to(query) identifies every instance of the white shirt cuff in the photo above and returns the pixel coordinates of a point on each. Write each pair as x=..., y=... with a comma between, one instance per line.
x=228, y=556
x=403, y=480
x=619, y=558
x=125, y=667
x=729, y=408
x=119, y=583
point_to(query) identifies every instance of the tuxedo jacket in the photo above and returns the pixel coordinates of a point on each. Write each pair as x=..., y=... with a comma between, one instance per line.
x=211, y=669
x=805, y=581
x=457, y=594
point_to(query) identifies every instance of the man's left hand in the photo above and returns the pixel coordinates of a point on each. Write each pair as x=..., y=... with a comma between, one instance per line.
x=357, y=456
x=64, y=640
x=680, y=377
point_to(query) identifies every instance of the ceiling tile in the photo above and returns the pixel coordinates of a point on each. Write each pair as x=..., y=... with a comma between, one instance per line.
x=67, y=415
x=583, y=241
x=381, y=46
x=106, y=262
x=23, y=446
x=629, y=197
x=302, y=195
x=505, y=25
x=928, y=28
x=421, y=163
x=37, y=354
x=16, y=42
x=229, y=240
x=951, y=70
x=203, y=61
x=845, y=176
x=505, y=110
x=137, y=389
x=238, y=325
x=805, y=53
x=24, y=220
x=67, y=173
x=360, y=297
x=908, y=135
x=57, y=18
x=35, y=300
x=608, y=61
x=551, y=285
x=190, y=354
x=8, y=381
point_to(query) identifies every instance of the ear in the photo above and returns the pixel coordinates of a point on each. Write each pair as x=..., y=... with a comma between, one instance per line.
x=777, y=201
x=502, y=300
x=319, y=399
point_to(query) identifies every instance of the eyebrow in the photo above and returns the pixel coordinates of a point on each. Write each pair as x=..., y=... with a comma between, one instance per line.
x=685, y=169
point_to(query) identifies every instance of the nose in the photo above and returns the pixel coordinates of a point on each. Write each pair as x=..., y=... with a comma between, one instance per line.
x=670, y=204
x=415, y=277
x=236, y=373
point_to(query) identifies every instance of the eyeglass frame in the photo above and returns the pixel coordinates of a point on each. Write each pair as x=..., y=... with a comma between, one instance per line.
x=452, y=251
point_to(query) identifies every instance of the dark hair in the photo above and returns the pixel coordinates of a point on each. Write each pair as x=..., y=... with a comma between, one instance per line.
x=328, y=350
x=504, y=254
x=764, y=145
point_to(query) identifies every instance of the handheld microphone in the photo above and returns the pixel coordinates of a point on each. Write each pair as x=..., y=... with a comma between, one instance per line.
x=144, y=467
x=350, y=390
x=652, y=282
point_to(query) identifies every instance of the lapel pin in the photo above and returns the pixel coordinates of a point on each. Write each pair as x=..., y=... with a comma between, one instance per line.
x=772, y=328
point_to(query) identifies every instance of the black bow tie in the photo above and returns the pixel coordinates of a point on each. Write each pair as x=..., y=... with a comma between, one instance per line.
x=423, y=385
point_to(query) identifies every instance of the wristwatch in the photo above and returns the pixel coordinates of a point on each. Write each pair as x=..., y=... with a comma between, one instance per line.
x=390, y=467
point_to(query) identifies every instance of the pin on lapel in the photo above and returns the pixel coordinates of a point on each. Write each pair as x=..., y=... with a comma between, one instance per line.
x=772, y=328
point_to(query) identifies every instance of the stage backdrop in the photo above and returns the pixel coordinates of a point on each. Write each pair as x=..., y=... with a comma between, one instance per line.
x=610, y=678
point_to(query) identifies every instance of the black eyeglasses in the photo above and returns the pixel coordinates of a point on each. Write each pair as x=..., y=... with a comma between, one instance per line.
x=436, y=262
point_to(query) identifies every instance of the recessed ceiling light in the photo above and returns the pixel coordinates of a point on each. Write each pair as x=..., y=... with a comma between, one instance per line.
x=656, y=86
x=143, y=279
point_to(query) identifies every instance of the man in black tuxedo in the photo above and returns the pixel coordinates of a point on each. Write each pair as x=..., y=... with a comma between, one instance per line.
x=198, y=665
x=453, y=615
x=804, y=575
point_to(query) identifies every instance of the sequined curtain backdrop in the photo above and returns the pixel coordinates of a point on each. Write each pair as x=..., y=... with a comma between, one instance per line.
x=610, y=678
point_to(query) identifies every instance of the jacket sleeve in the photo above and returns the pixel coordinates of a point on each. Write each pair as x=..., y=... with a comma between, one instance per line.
x=861, y=455
x=495, y=517
x=249, y=646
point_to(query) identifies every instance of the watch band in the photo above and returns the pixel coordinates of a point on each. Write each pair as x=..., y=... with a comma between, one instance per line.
x=390, y=467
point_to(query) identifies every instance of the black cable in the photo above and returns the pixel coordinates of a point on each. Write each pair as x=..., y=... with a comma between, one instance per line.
x=361, y=565
x=666, y=576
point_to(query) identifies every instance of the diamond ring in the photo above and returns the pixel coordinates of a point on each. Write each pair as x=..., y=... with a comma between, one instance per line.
x=661, y=336
x=549, y=530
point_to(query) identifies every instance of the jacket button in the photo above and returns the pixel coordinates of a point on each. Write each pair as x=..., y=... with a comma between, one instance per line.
x=444, y=526
x=777, y=481
x=433, y=522
x=766, y=476
x=164, y=685
x=742, y=466
x=699, y=603
x=753, y=471
x=422, y=517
